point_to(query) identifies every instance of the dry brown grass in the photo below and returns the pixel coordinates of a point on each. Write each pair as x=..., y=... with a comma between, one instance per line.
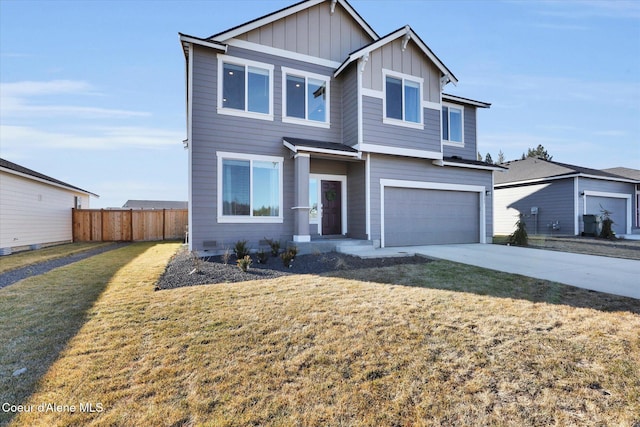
x=414, y=349
x=22, y=259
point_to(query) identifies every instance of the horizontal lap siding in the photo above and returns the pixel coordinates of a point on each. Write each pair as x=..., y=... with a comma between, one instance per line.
x=378, y=133
x=470, y=150
x=356, y=209
x=403, y=168
x=554, y=201
x=350, y=107
x=214, y=132
x=34, y=213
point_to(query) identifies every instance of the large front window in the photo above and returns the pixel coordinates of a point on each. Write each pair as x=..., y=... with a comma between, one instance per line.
x=245, y=88
x=452, y=124
x=306, y=98
x=249, y=188
x=403, y=101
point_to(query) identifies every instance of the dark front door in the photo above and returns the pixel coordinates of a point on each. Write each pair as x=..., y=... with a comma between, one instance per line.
x=331, y=207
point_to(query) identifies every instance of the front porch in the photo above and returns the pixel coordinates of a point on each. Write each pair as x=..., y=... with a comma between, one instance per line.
x=322, y=244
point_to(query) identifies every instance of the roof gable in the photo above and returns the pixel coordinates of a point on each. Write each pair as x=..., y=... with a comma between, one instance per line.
x=331, y=6
x=408, y=35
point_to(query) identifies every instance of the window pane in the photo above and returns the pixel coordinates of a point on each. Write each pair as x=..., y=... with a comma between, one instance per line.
x=455, y=124
x=295, y=97
x=266, y=188
x=412, y=102
x=316, y=99
x=235, y=187
x=445, y=123
x=394, y=98
x=233, y=86
x=313, y=199
x=258, y=90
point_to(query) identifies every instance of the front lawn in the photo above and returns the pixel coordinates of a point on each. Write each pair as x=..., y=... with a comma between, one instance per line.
x=432, y=344
x=23, y=259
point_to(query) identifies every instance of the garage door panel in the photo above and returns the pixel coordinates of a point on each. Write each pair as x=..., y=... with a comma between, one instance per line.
x=617, y=207
x=428, y=217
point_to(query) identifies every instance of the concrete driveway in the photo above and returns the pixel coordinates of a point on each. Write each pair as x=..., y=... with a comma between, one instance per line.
x=612, y=275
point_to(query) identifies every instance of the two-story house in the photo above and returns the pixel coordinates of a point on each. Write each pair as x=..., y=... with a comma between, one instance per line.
x=306, y=123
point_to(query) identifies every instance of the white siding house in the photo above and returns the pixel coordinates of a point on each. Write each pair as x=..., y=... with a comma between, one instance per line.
x=35, y=209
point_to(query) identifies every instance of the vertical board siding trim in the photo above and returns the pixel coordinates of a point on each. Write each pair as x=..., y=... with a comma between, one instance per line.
x=368, y=195
x=423, y=185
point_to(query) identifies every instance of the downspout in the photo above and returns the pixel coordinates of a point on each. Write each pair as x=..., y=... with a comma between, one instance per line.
x=190, y=144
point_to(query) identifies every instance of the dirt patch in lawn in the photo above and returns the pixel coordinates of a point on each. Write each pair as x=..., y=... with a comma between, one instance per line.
x=184, y=269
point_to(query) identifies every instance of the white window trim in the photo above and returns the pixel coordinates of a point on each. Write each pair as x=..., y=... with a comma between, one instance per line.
x=306, y=75
x=249, y=219
x=343, y=189
x=396, y=75
x=446, y=141
x=222, y=59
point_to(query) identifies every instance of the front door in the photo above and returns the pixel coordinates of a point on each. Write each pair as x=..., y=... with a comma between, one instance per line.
x=331, y=207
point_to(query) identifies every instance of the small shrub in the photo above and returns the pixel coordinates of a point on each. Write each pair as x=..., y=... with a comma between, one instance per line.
x=607, y=232
x=197, y=262
x=520, y=236
x=287, y=258
x=226, y=256
x=244, y=263
x=263, y=257
x=293, y=250
x=241, y=249
x=275, y=246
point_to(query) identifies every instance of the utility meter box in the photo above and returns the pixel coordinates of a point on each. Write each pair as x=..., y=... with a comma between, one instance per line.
x=534, y=210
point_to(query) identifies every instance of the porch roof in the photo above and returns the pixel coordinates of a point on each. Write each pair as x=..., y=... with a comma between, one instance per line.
x=320, y=147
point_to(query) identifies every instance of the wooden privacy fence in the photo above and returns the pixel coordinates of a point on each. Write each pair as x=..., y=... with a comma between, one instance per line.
x=128, y=225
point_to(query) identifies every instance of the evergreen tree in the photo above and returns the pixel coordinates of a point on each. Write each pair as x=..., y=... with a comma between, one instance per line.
x=539, y=152
x=488, y=159
x=500, y=157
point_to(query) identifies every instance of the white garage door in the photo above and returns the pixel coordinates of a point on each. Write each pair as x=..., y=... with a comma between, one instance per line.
x=415, y=216
x=617, y=207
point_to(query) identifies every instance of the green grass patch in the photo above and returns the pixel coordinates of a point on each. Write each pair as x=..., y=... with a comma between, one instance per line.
x=23, y=259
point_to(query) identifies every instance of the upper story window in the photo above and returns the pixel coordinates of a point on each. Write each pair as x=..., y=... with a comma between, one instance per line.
x=245, y=88
x=306, y=98
x=402, y=100
x=452, y=123
x=249, y=188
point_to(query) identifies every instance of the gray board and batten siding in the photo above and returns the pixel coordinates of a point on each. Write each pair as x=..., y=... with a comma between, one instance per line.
x=305, y=33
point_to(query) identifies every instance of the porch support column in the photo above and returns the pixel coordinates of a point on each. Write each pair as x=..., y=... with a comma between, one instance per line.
x=301, y=201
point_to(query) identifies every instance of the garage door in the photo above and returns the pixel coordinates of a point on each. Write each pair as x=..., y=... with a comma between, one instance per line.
x=617, y=207
x=430, y=217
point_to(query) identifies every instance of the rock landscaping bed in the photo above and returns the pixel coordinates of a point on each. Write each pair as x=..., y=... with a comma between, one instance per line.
x=184, y=269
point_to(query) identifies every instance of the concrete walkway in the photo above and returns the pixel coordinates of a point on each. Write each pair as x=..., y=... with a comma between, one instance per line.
x=604, y=274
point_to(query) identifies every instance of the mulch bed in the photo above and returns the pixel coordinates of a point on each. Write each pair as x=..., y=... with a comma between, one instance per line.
x=183, y=269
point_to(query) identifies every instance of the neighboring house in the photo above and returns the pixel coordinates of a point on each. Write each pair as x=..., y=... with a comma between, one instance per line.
x=35, y=209
x=552, y=197
x=633, y=174
x=155, y=204
x=306, y=123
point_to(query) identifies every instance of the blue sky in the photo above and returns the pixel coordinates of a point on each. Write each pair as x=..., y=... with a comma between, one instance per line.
x=93, y=92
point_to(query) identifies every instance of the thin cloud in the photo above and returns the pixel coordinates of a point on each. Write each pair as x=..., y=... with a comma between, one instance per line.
x=17, y=100
x=22, y=138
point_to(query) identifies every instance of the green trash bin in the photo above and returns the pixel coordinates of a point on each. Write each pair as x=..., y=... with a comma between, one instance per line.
x=592, y=225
